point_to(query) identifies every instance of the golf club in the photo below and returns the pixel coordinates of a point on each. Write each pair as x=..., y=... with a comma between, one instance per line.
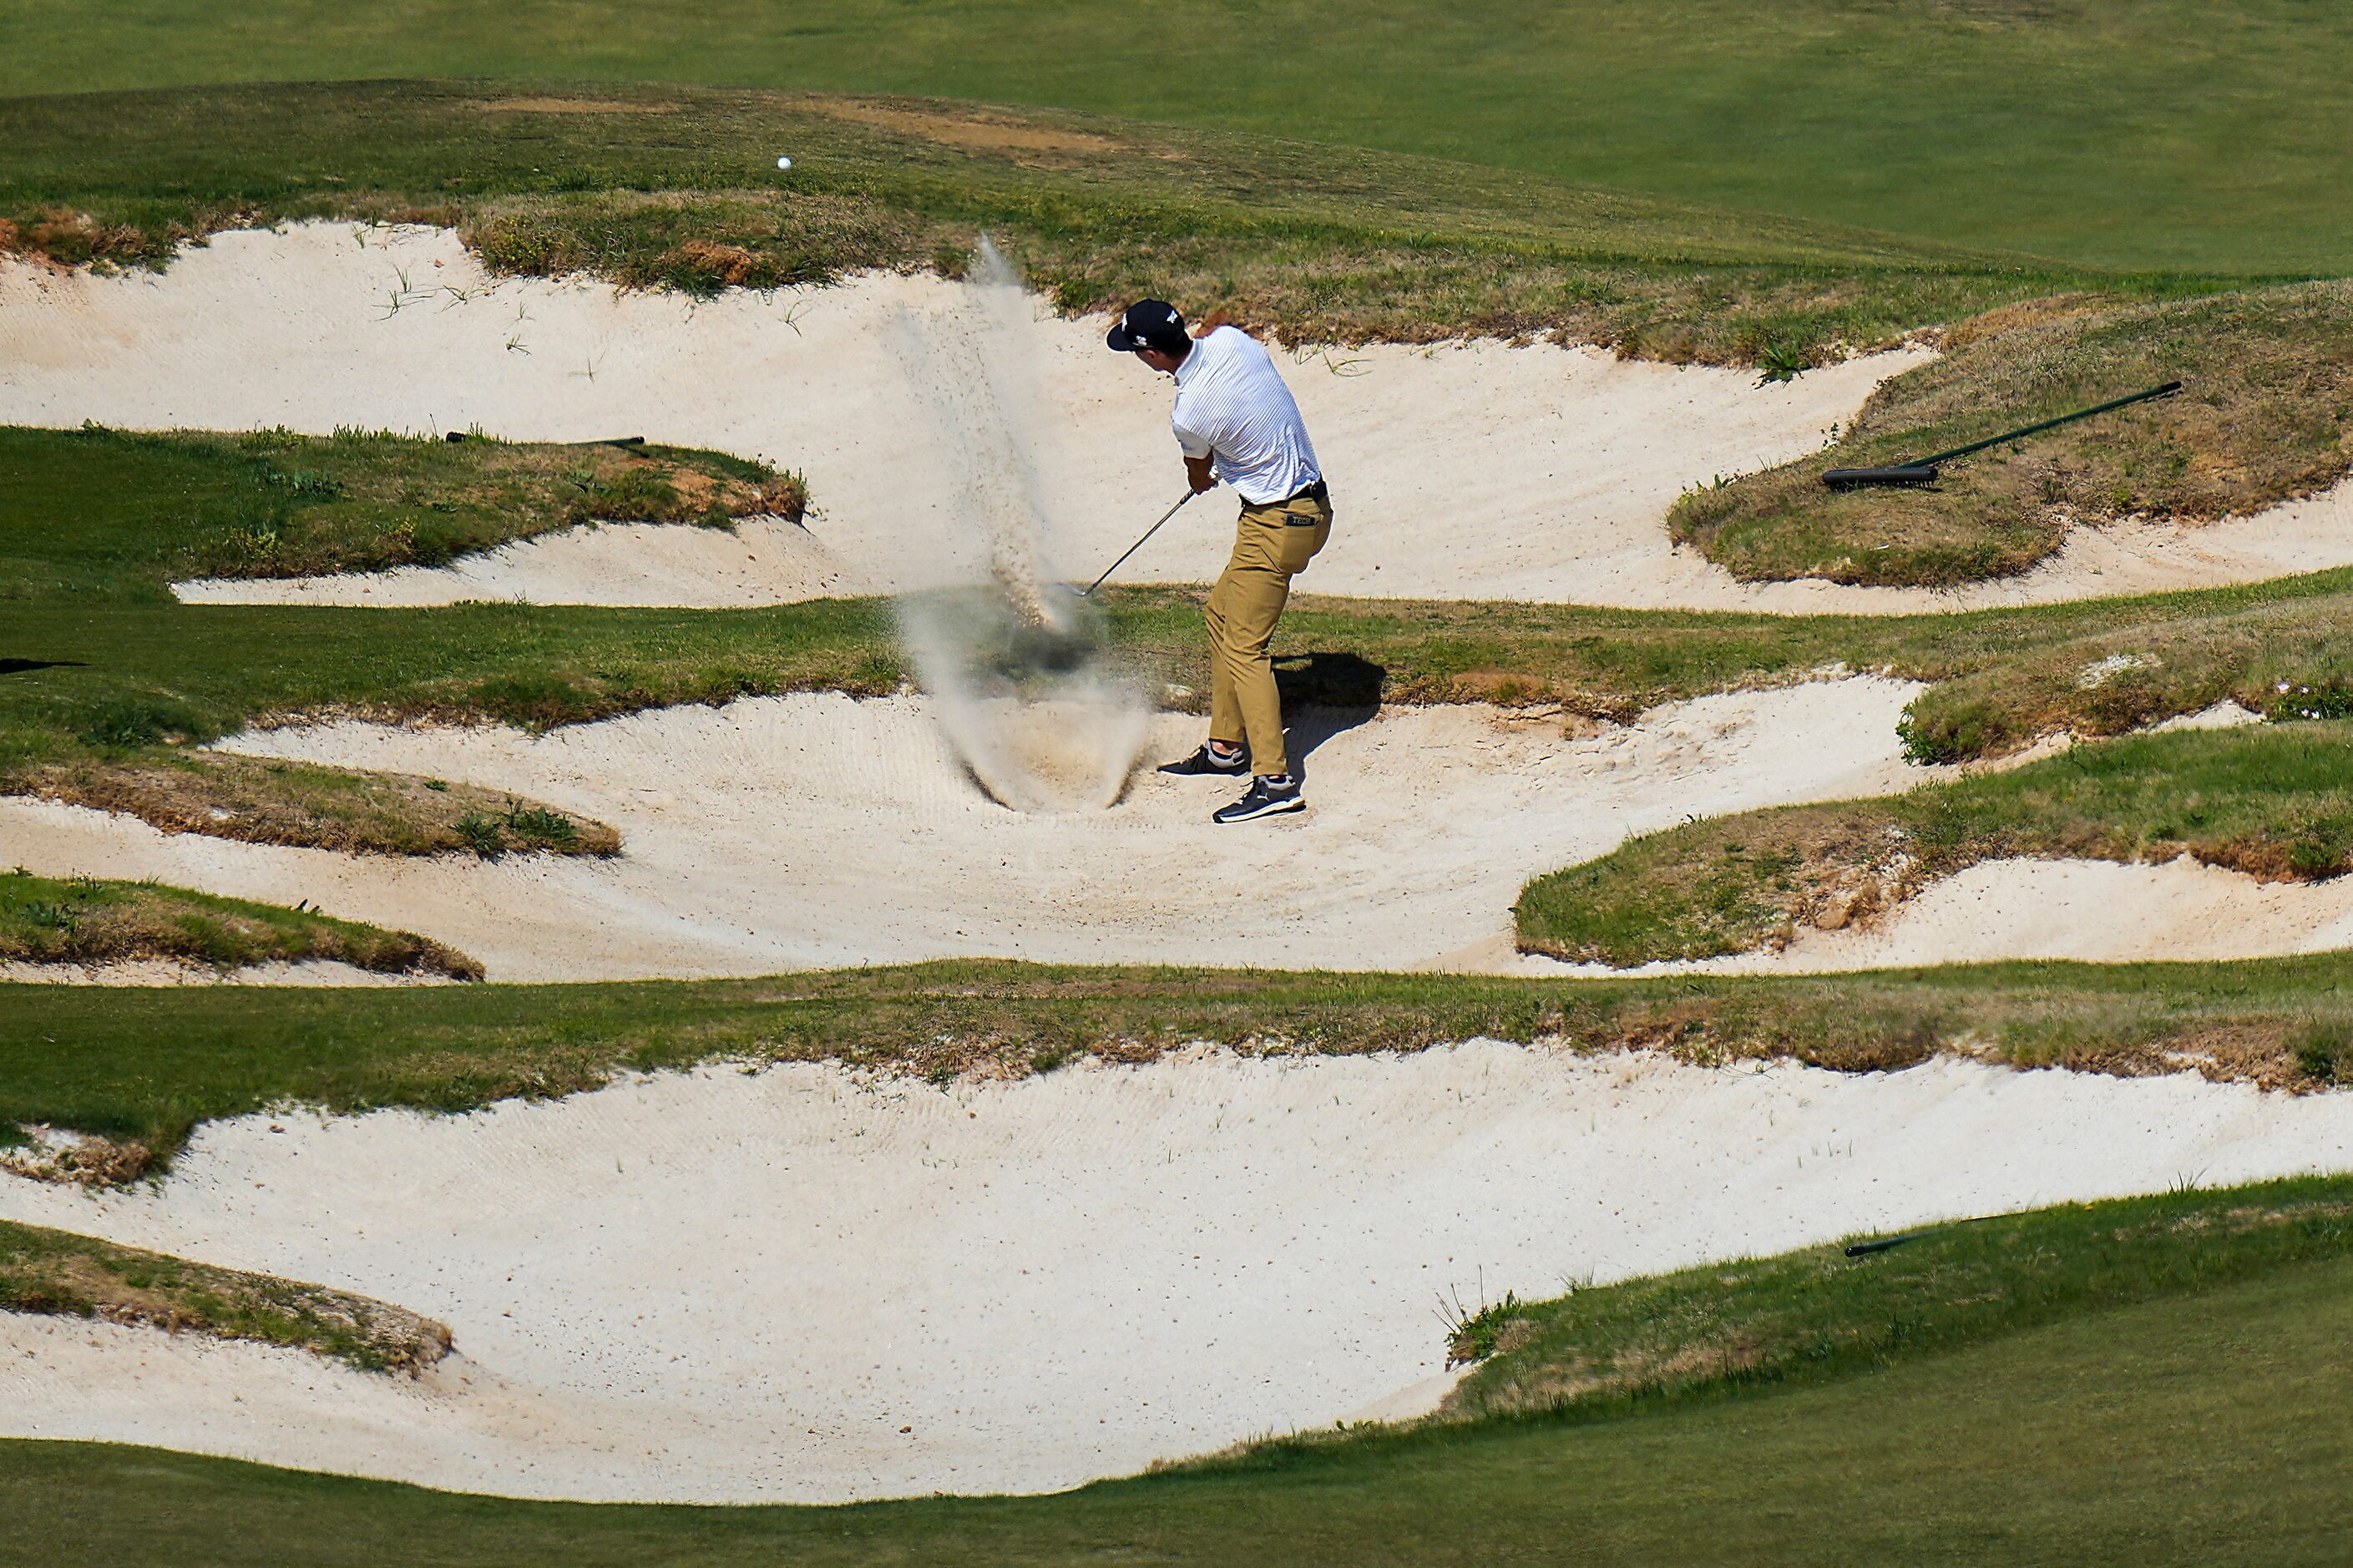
x=1139, y=545
x=1922, y=472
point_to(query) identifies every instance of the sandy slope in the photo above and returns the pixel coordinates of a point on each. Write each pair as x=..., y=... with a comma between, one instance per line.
x=759, y=562
x=2094, y=912
x=1470, y=471
x=165, y=971
x=817, y=831
x=722, y=1287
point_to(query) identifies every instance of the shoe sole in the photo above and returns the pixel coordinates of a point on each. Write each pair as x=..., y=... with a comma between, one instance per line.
x=1275, y=809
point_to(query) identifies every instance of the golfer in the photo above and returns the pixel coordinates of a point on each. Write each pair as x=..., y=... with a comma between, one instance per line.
x=1236, y=421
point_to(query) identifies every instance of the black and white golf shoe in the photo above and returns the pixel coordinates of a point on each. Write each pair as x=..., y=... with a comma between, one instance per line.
x=1265, y=798
x=1206, y=762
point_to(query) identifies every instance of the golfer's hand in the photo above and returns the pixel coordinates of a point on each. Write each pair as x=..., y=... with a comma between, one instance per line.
x=1197, y=469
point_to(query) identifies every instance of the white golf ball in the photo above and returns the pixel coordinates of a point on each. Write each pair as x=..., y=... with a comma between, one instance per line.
x=784, y=162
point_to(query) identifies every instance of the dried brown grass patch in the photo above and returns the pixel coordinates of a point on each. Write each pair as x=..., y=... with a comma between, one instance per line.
x=544, y=105
x=59, y=1273
x=79, y=1160
x=976, y=131
x=729, y=266
x=300, y=805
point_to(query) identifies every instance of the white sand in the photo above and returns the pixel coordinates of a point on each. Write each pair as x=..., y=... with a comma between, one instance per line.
x=819, y=831
x=1463, y=472
x=716, y=1286
x=761, y=560
x=1467, y=470
x=2095, y=911
x=2091, y=910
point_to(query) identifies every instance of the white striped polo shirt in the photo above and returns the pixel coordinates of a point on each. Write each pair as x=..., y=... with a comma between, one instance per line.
x=1232, y=408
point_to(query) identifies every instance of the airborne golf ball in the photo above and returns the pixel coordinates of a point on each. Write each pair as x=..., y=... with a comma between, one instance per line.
x=784, y=162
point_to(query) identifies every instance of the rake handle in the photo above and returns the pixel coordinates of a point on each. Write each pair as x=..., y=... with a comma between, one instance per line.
x=2167, y=390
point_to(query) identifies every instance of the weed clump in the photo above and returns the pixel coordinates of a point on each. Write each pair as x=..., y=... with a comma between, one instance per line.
x=57, y=1273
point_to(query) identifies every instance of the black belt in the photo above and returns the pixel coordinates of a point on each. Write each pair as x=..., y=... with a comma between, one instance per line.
x=1314, y=492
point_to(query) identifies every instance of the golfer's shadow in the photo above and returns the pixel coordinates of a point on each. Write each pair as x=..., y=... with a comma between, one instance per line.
x=1322, y=694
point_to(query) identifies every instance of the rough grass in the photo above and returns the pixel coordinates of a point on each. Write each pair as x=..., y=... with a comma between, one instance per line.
x=148, y=1066
x=1744, y=1326
x=87, y=919
x=2266, y=415
x=2284, y=659
x=2273, y=803
x=2062, y=1443
x=676, y=187
x=109, y=514
x=267, y=801
x=56, y=1272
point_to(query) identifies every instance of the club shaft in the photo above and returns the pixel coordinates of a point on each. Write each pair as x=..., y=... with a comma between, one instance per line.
x=1139, y=545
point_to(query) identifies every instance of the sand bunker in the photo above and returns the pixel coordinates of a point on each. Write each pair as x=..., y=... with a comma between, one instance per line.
x=1460, y=471
x=662, y=565
x=2095, y=911
x=2091, y=910
x=724, y=1287
x=1466, y=471
x=819, y=831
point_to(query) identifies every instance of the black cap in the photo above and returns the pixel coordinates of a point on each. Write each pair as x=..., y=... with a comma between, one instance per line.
x=1150, y=324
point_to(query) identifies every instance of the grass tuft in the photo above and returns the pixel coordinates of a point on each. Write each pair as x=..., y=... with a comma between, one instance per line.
x=89, y=920
x=59, y=1273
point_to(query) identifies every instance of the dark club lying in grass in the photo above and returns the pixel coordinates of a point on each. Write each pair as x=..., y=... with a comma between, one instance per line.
x=2263, y=418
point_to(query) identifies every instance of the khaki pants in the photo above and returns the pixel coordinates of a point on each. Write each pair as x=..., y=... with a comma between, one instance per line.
x=1272, y=544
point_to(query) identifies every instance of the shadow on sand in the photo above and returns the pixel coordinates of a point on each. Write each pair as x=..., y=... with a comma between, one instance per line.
x=1324, y=694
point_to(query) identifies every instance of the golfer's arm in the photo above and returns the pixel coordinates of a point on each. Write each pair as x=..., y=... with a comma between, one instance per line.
x=1197, y=470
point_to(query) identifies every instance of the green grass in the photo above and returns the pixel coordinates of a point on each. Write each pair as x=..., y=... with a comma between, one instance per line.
x=2273, y=801
x=106, y=515
x=2266, y=415
x=2195, y=1427
x=57, y=1273
x=147, y=1066
x=680, y=189
x=2284, y=660
x=1733, y=1327
x=2162, y=134
x=87, y=919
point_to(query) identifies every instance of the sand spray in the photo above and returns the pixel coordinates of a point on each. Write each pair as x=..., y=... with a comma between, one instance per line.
x=1025, y=687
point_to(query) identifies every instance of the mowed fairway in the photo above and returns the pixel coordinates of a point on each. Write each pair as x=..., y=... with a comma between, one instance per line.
x=2199, y=1429
x=2159, y=135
